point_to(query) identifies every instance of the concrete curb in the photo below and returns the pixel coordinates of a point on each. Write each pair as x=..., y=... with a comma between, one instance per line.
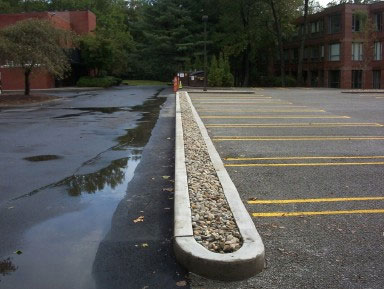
x=242, y=264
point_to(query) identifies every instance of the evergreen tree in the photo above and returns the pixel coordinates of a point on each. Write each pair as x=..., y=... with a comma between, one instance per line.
x=228, y=79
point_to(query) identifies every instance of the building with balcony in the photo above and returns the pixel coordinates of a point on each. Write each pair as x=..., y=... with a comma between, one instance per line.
x=343, y=47
x=80, y=22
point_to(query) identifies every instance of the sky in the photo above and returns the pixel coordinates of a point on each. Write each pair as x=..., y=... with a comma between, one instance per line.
x=323, y=2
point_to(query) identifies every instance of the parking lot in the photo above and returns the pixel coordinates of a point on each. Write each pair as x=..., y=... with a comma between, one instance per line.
x=308, y=164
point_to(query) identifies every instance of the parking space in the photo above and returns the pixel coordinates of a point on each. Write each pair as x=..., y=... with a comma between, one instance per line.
x=309, y=166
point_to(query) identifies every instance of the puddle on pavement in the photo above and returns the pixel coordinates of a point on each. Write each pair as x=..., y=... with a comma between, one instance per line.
x=42, y=158
x=90, y=111
x=60, y=251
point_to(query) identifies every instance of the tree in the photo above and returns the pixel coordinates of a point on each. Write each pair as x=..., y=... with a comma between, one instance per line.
x=35, y=44
x=109, y=50
x=214, y=78
x=302, y=42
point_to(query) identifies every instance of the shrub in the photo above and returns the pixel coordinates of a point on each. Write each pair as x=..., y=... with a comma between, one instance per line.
x=289, y=81
x=106, y=81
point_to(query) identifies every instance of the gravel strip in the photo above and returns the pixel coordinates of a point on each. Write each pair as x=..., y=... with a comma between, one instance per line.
x=213, y=224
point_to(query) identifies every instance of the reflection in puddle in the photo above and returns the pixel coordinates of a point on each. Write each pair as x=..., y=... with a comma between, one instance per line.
x=59, y=252
x=42, y=158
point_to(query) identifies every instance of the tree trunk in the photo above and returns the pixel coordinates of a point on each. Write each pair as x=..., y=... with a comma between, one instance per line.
x=301, y=53
x=279, y=41
x=246, y=67
x=27, y=89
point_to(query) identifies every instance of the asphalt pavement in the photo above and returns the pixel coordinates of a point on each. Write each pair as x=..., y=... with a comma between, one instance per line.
x=86, y=191
x=308, y=164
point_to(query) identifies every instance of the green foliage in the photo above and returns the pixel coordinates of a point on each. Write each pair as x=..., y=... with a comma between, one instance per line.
x=154, y=39
x=214, y=75
x=220, y=72
x=35, y=44
x=106, y=81
x=289, y=81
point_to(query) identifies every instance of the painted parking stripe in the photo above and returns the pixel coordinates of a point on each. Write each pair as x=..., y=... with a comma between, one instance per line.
x=241, y=103
x=307, y=164
x=294, y=138
x=262, y=110
x=317, y=200
x=271, y=117
x=316, y=213
x=304, y=158
x=289, y=125
x=230, y=98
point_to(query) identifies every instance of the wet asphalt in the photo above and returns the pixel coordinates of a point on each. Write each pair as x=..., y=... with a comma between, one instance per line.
x=86, y=191
x=267, y=144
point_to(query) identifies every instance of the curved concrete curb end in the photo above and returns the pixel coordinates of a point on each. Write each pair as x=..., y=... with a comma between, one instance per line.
x=242, y=264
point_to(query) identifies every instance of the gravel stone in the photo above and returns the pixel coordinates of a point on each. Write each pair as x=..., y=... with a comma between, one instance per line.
x=213, y=224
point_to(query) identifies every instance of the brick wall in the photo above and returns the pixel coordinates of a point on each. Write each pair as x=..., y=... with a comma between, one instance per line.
x=345, y=37
x=13, y=79
x=81, y=22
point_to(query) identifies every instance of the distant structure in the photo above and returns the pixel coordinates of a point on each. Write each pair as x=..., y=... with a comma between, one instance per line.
x=343, y=47
x=80, y=22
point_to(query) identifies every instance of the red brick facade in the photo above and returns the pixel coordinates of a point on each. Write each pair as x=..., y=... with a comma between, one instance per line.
x=81, y=22
x=339, y=52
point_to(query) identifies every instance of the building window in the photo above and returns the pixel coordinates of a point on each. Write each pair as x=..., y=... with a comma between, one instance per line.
x=295, y=54
x=334, y=23
x=357, y=51
x=377, y=21
x=334, y=78
x=357, y=77
x=334, y=52
x=315, y=52
x=316, y=27
x=377, y=51
x=322, y=51
x=286, y=55
x=356, y=23
x=307, y=53
x=376, y=78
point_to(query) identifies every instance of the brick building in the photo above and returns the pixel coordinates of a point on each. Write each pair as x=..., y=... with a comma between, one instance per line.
x=343, y=47
x=80, y=22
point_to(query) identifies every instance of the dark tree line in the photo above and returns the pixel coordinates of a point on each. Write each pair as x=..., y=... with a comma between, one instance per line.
x=153, y=39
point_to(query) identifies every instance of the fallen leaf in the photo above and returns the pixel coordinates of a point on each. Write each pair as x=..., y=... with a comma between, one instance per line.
x=166, y=177
x=181, y=283
x=168, y=190
x=18, y=252
x=168, y=138
x=144, y=245
x=252, y=199
x=10, y=208
x=167, y=208
x=139, y=219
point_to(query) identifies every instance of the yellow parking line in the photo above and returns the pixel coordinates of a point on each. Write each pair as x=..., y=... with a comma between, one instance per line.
x=317, y=200
x=292, y=214
x=289, y=125
x=240, y=103
x=260, y=110
x=305, y=164
x=229, y=98
x=304, y=158
x=270, y=116
x=291, y=138
x=259, y=107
